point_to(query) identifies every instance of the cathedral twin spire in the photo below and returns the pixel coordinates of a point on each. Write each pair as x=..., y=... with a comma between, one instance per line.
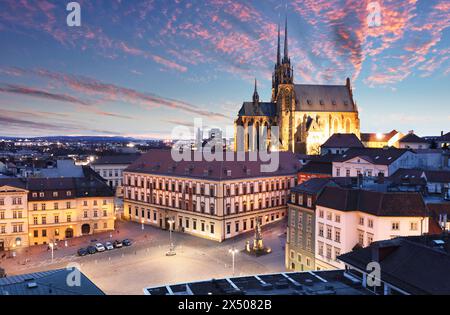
x=286, y=52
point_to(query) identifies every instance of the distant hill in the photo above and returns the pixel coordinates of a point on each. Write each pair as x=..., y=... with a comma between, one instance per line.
x=80, y=138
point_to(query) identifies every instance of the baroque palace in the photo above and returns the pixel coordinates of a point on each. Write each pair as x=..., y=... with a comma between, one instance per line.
x=305, y=114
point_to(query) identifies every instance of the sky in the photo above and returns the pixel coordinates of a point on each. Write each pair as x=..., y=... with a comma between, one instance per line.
x=140, y=68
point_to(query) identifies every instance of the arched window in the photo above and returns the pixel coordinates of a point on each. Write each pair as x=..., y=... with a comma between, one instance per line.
x=348, y=126
x=335, y=126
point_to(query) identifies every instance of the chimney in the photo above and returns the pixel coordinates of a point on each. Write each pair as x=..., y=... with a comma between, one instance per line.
x=442, y=133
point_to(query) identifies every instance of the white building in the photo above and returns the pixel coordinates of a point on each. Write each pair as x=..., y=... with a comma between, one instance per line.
x=111, y=167
x=346, y=218
x=373, y=162
x=412, y=141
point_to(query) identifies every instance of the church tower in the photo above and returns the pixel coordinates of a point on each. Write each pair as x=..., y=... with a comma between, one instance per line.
x=283, y=71
x=283, y=95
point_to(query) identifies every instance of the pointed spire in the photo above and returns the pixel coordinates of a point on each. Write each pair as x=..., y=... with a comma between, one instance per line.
x=286, y=53
x=255, y=94
x=279, y=48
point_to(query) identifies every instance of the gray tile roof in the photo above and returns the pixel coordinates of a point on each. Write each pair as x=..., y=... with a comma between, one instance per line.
x=116, y=159
x=343, y=140
x=262, y=109
x=412, y=138
x=318, y=98
x=376, y=156
x=408, y=264
x=53, y=282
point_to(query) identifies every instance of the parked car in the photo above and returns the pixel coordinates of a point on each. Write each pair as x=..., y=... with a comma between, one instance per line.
x=109, y=246
x=117, y=244
x=91, y=249
x=100, y=247
x=82, y=252
x=126, y=242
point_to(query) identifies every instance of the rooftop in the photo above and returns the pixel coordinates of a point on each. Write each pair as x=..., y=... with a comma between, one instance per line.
x=379, y=156
x=116, y=159
x=343, y=140
x=160, y=162
x=53, y=282
x=313, y=185
x=412, y=138
x=378, y=137
x=290, y=283
x=313, y=167
x=417, y=265
x=395, y=204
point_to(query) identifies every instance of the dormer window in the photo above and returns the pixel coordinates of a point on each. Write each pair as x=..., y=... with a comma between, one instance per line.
x=309, y=102
x=322, y=102
x=345, y=103
x=333, y=102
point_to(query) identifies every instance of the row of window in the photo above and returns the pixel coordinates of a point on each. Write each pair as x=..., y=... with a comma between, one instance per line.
x=298, y=199
x=229, y=190
x=17, y=214
x=55, y=194
x=329, y=216
x=329, y=233
x=300, y=258
x=68, y=217
x=299, y=241
x=110, y=172
x=368, y=173
x=55, y=206
x=68, y=205
x=16, y=228
x=245, y=227
x=14, y=201
x=326, y=251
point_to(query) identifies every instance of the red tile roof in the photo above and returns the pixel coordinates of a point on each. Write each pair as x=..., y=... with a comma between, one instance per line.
x=373, y=137
x=160, y=162
x=376, y=203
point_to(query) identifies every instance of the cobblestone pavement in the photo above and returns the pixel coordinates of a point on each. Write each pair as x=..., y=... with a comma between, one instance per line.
x=128, y=270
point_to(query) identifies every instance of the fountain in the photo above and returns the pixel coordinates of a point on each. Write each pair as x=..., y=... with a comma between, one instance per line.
x=258, y=248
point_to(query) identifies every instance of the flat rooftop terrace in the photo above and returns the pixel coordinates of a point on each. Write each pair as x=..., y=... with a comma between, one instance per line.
x=333, y=282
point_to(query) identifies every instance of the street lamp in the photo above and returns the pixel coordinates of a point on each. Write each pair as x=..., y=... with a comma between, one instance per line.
x=142, y=226
x=171, y=251
x=51, y=247
x=233, y=252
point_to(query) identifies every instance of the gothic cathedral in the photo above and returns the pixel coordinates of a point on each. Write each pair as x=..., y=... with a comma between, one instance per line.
x=306, y=115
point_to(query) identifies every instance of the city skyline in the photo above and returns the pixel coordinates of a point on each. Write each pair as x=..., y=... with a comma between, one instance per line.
x=141, y=69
